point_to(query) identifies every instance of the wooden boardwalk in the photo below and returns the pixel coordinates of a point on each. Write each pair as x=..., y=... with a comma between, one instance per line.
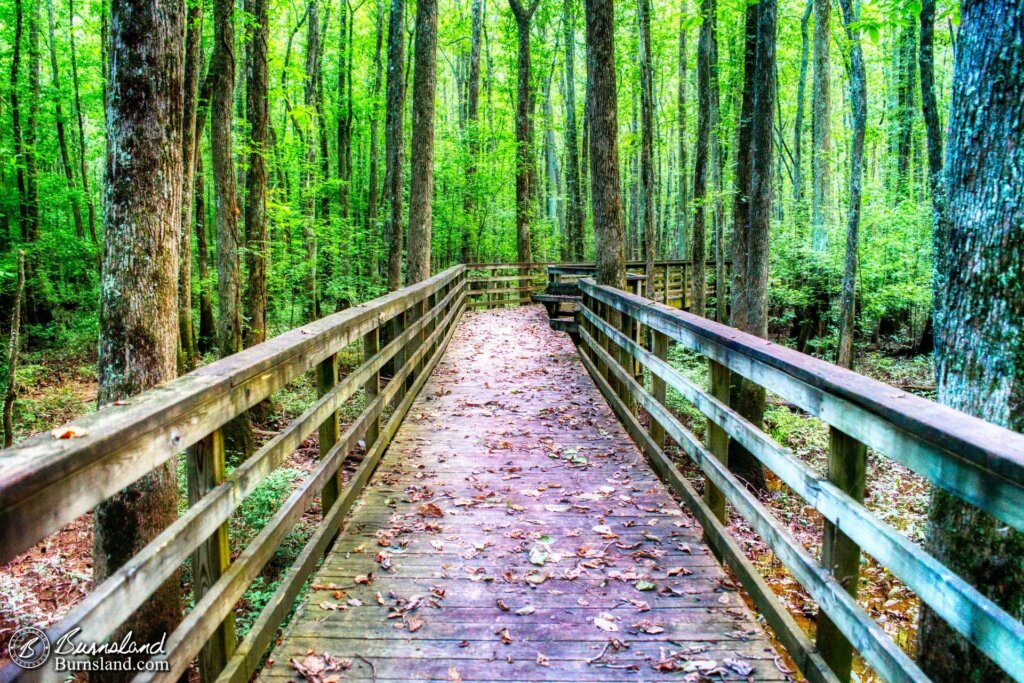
x=513, y=532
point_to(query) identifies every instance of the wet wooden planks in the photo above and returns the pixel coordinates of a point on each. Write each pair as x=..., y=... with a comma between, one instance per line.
x=513, y=532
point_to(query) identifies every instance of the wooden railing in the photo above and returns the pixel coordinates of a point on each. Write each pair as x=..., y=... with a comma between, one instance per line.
x=46, y=483
x=503, y=284
x=981, y=463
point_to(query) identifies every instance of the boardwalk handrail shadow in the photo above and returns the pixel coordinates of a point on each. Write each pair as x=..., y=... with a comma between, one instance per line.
x=979, y=462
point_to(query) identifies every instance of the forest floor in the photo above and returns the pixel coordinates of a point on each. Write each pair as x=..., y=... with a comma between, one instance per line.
x=42, y=585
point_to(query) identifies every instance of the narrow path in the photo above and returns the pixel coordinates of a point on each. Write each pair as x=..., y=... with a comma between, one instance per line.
x=513, y=532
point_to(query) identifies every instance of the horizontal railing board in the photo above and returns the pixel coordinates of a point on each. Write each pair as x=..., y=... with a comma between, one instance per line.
x=874, y=644
x=978, y=461
x=123, y=442
x=114, y=600
x=984, y=623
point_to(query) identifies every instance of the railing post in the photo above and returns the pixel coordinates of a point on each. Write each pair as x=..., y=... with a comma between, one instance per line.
x=847, y=467
x=371, y=345
x=660, y=344
x=718, y=440
x=627, y=326
x=326, y=378
x=205, y=470
x=665, y=278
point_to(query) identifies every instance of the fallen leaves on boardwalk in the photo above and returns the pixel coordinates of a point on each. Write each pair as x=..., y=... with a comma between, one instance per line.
x=513, y=532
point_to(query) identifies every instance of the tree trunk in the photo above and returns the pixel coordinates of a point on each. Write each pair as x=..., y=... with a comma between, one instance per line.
x=859, y=113
x=189, y=151
x=138, y=342
x=979, y=356
x=647, y=142
x=62, y=138
x=30, y=232
x=373, y=198
x=750, y=246
x=310, y=170
x=603, y=124
x=701, y=161
x=798, y=126
x=222, y=70
x=81, y=135
x=933, y=136
x=421, y=167
x=524, y=133
x=574, y=221
x=21, y=154
x=822, y=129
x=683, y=205
x=256, y=237
x=207, y=339
x=394, y=141
x=13, y=347
x=471, y=237
x=344, y=133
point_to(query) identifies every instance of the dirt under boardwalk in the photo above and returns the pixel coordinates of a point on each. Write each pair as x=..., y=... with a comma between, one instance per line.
x=513, y=532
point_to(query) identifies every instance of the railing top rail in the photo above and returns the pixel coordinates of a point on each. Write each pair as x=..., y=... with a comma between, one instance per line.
x=126, y=439
x=991, y=447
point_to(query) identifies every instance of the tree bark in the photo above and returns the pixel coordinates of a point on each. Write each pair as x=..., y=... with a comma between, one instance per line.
x=139, y=285
x=979, y=357
x=21, y=155
x=256, y=236
x=859, y=113
x=394, y=141
x=471, y=237
x=524, y=132
x=574, y=207
x=822, y=129
x=373, y=191
x=603, y=125
x=421, y=192
x=933, y=136
x=647, y=142
x=30, y=232
x=207, y=338
x=310, y=184
x=189, y=151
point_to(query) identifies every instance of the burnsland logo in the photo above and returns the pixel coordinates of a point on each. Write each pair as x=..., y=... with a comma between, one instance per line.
x=30, y=648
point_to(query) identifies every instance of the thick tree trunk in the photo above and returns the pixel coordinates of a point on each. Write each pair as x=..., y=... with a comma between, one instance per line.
x=394, y=141
x=603, y=133
x=859, y=113
x=222, y=70
x=421, y=166
x=138, y=342
x=980, y=360
x=310, y=182
x=574, y=211
x=701, y=162
x=256, y=237
x=524, y=141
x=821, y=161
x=647, y=142
x=750, y=246
x=683, y=199
x=189, y=151
x=62, y=138
x=741, y=178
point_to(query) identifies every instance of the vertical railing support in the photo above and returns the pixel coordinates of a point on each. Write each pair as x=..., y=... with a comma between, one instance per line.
x=666, y=278
x=371, y=345
x=628, y=327
x=718, y=440
x=326, y=378
x=847, y=468
x=205, y=470
x=660, y=344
